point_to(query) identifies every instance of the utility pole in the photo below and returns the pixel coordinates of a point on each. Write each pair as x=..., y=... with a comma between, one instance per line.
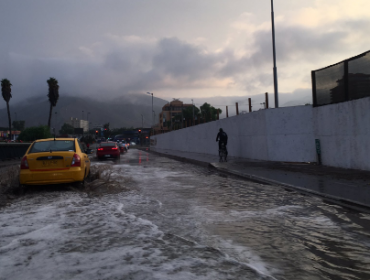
x=171, y=114
x=274, y=54
x=182, y=115
x=151, y=93
x=56, y=119
x=192, y=102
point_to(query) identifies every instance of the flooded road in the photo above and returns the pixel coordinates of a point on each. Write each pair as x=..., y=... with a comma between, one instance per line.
x=171, y=220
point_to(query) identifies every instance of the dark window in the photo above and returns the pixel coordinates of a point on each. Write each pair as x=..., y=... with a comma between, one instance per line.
x=330, y=85
x=82, y=146
x=359, y=77
x=58, y=145
x=108, y=144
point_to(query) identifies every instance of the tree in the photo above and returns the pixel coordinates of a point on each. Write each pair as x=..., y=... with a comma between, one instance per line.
x=188, y=112
x=6, y=92
x=208, y=112
x=67, y=129
x=19, y=125
x=53, y=95
x=34, y=133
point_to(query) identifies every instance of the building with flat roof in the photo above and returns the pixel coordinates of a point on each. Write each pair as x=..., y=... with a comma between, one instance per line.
x=76, y=123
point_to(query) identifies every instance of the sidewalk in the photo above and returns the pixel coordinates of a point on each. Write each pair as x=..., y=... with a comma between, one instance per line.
x=347, y=187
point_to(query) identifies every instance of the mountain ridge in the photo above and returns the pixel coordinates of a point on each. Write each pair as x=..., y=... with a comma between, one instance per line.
x=124, y=111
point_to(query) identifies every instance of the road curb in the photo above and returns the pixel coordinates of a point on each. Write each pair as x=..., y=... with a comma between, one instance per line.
x=334, y=199
x=347, y=203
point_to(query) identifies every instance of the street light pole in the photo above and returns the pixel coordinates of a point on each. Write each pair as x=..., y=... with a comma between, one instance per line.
x=274, y=54
x=151, y=93
x=193, y=109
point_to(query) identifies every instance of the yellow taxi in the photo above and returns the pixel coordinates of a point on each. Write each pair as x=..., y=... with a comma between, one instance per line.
x=54, y=161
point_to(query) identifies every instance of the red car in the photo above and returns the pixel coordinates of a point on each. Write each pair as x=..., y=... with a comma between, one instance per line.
x=108, y=150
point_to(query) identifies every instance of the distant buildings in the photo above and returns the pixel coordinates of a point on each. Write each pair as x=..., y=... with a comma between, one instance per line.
x=5, y=134
x=76, y=123
x=171, y=113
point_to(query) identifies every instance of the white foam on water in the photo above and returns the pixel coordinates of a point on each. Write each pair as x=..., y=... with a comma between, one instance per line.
x=247, y=256
x=72, y=236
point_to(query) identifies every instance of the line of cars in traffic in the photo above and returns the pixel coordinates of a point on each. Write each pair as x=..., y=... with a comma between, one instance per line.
x=111, y=149
x=63, y=160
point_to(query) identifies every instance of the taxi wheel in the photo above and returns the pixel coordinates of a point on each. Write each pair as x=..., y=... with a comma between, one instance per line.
x=88, y=175
x=81, y=184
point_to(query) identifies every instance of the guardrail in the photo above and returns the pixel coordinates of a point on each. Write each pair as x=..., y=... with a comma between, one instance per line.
x=13, y=150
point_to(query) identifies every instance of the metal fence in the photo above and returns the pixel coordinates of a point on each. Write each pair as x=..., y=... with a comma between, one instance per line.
x=343, y=81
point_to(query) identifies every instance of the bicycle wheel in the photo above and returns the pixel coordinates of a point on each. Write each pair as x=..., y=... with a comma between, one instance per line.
x=222, y=155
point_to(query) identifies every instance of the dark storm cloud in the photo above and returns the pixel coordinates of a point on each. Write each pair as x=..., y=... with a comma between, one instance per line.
x=182, y=60
x=127, y=65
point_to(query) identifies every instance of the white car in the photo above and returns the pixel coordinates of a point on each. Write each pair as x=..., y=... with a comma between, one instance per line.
x=132, y=144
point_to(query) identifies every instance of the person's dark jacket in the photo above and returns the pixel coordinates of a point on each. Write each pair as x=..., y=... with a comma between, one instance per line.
x=222, y=136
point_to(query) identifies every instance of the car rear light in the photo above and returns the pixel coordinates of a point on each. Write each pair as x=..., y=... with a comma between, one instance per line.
x=76, y=160
x=100, y=149
x=24, y=163
x=115, y=149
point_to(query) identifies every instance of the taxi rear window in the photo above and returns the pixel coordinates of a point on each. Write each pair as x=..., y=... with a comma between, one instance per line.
x=57, y=145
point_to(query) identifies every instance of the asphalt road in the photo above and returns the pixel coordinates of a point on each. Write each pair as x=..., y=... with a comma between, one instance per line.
x=150, y=217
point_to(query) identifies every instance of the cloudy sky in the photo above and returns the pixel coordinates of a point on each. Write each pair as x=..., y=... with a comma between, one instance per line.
x=175, y=48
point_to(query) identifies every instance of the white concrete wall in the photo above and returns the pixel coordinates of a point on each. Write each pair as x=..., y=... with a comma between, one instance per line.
x=286, y=134
x=344, y=133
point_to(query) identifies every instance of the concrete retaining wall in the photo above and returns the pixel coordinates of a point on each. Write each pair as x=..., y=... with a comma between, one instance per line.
x=285, y=134
x=265, y=135
x=344, y=133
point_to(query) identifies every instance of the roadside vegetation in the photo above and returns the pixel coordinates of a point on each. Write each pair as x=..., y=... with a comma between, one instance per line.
x=35, y=132
x=6, y=91
x=53, y=95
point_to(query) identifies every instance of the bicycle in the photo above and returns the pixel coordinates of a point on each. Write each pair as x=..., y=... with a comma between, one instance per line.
x=223, y=152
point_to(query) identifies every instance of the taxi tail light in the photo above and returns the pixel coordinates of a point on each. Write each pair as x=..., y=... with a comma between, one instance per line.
x=115, y=149
x=76, y=160
x=100, y=149
x=24, y=163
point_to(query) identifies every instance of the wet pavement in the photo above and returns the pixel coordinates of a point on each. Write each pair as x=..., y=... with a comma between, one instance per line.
x=345, y=186
x=175, y=220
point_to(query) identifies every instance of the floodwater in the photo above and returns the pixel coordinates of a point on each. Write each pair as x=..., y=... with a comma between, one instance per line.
x=171, y=220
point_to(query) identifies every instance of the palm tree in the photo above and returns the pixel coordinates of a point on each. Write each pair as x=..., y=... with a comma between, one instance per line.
x=6, y=91
x=53, y=95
